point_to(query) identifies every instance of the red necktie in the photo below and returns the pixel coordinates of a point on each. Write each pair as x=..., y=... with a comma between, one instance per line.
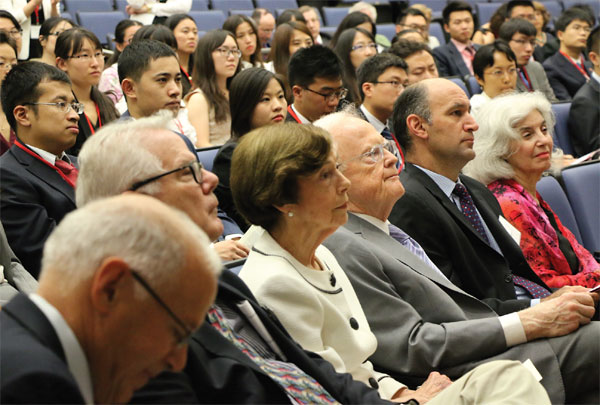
x=68, y=170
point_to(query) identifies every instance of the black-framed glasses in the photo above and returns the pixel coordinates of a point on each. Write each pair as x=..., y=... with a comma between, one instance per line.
x=188, y=331
x=395, y=83
x=339, y=94
x=63, y=106
x=373, y=155
x=194, y=167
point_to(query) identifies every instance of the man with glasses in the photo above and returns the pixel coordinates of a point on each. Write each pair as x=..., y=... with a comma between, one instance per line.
x=418, y=57
x=456, y=57
x=38, y=177
x=381, y=79
x=315, y=77
x=412, y=19
x=567, y=69
x=520, y=36
x=429, y=323
x=113, y=305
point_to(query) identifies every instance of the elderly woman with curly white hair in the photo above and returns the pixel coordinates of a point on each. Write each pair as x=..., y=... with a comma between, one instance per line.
x=513, y=148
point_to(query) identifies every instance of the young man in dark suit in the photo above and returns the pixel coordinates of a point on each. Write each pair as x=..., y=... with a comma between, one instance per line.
x=567, y=69
x=38, y=177
x=456, y=57
x=584, y=116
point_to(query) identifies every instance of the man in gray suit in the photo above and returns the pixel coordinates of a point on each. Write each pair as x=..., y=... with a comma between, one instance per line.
x=13, y=276
x=424, y=322
x=520, y=36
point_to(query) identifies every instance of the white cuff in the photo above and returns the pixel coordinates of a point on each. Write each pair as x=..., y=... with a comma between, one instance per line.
x=513, y=329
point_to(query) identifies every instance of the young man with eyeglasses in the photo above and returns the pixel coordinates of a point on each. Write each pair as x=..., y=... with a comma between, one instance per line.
x=414, y=19
x=456, y=57
x=520, y=36
x=568, y=69
x=38, y=177
x=315, y=77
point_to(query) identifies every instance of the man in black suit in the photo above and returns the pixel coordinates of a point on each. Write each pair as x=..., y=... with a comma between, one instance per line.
x=463, y=232
x=567, y=69
x=584, y=116
x=110, y=311
x=38, y=178
x=313, y=23
x=419, y=60
x=315, y=77
x=456, y=57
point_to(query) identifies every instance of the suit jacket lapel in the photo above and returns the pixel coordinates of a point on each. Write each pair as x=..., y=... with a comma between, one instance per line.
x=44, y=173
x=458, y=60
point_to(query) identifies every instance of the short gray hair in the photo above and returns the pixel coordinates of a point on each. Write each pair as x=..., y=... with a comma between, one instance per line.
x=413, y=100
x=496, y=138
x=361, y=5
x=112, y=160
x=151, y=237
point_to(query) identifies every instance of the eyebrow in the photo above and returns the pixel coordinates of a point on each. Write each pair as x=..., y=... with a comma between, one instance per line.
x=543, y=123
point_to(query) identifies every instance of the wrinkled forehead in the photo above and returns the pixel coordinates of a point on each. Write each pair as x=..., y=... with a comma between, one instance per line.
x=169, y=147
x=356, y=136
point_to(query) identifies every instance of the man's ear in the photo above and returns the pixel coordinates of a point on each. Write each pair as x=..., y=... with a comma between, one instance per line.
x=110, y=283
x=480, y=81
x=559, y=35
x=417, y=126
x=22, y=115
x=367, y=89
x=446, y=28
x=297, y=92
x=129, y=88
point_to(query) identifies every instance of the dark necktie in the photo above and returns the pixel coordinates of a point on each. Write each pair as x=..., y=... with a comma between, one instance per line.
x=68, y=170
x=387, y=134
x=468, y=209
x=535, y=290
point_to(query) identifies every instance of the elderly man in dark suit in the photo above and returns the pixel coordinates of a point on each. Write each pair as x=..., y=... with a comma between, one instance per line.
x=567, y=69
x=456, y=57
x=429, y=323
x=38, y=178
x=111, y=311
x=584, y=116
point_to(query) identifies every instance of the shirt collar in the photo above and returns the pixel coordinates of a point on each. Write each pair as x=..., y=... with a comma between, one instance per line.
x=596, y=76
x=301, y=117
x=460, y=46
x=379, y=126
x=47, y=156
x=76, y=359
x=384, y=226
x=443, y=182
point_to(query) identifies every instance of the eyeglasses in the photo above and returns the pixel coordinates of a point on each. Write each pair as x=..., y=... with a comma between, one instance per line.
x=374, y=155
x=63, y=107
x=363, y=47
x=7, y=66
x=395, y=84
x=85, y=57
x=421, y=28
x=15, y=33
x=499, y=72
x=228, y=52
x=194, y=167
x=523, y=42
x=182, y=340
x=578, y=27
x=339, y=94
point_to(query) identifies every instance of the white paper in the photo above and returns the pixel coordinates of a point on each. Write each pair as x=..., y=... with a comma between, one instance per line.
x=528, y=364
x=512, y=231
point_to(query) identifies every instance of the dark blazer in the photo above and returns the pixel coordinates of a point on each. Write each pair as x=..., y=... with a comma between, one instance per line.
x=33, y=199
x=449, y=60
x=33, y=369
x=452, y=243
x=217, y=372
x=539, y=81
x=584, y=118
x=564, y=78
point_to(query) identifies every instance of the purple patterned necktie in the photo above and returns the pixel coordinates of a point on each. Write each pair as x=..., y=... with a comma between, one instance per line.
x=412, y=245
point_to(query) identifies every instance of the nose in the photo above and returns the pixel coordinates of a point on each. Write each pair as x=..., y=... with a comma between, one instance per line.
x=470, y=124
x=72, y=115
x=174, y=90
x=389, y=159
x=209, y=181
x=177, y=358
x=277, y=105
x=344, y=183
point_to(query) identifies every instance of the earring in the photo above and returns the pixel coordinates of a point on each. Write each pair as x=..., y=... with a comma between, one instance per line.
x=290, y=214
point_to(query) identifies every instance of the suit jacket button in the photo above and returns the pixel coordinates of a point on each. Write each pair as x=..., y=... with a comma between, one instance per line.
x=373, y=383
x=332, y=280
x=353, y=323
x=508, y=278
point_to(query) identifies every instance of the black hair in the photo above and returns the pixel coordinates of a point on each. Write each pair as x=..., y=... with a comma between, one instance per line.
x=120, y=37
x=172, y=22
x=309, y=63
x=158, y=33
x=136, y=58
x=574, y=13
x=407, y=12
x=51, y=23
x=413, y=100
x=405, y=48
x=5, y=38
x=280, y=45
x=9, y=16
x=514, y=26
x=454, y=6
x=342, y=49
x=351, y=21
x=289, y=15
x=233, y=22
x=485, y=56
x=593, y=41
x=245, y=93
x=21, y=86
x=518, y=3
x=373, y=67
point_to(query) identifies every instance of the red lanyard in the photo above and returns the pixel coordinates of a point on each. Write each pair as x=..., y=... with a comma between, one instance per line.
x=41, y=159
x=527, y=83
x=187, y=76
x=179, y=126
x=293, y=114
x=90, y=123
x=580, y=68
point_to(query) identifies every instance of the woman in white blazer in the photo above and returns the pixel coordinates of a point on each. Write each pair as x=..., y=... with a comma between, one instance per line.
x=30, y=15
x=284, y=178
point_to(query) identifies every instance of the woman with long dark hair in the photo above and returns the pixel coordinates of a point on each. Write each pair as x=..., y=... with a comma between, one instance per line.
x=186, y=33
x=354, y=20
x=216, y=61
x=246, y=35
x=288, y=38
x=51, y=29
x=79, y=54
x=8, y=59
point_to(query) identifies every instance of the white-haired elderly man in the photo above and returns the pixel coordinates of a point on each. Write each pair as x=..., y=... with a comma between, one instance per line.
x=431, y=323
x=112, y=308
